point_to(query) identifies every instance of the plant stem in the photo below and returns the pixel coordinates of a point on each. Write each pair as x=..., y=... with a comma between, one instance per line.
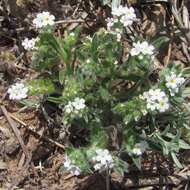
x=107, y=179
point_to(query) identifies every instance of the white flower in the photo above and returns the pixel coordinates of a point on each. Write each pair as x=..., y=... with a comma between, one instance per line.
x=141, y=57
x=118, y=11
x=67, y=162
x=103, y=160
x=118, y=37
x=116, y=62
x=156, y=100
x=163, y=105
x=69, y=107
x=151, y=105
x=139, y=148
x=79, y=103
x=136, y=50
x=128, y=19
x=97, y=167
x=127, y=15
x=17, y=91
x=157, y=94
x=44, y=19
x=29, y=44
x=89, y=38
x=117, y=32
x=173, y=82
x=121, y=10
x=144, y=112
x=75, y=106
x=111, y=22
x=72, y=34
x=146, y=48
x=140, y=48
x=88, y=61
x=73, y=169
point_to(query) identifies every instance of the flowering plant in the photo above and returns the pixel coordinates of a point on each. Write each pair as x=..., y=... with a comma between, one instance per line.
x=124, y=104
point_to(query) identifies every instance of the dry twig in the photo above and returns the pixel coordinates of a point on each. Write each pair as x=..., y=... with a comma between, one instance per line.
x=31, y=129
x=69, y=21
x=15, y=130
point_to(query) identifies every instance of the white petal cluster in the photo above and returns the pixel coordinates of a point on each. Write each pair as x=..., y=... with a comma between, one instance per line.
x=142, y=48
x=69, y=166
x=44, y=19
x=111, y=22
x=115, y=31
x=156, y=100
x=17, y=91
x=103, y=160
x=119, y=11
x=121, y=15
x=126, y=15
x=139, y=148
x=29, y=44
x=173, y=83
x=75, y=106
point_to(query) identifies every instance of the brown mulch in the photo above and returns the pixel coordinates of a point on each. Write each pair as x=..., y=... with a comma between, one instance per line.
x=31, y=159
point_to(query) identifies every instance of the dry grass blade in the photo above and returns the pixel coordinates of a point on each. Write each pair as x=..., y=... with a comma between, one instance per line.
x=186, y=17
x=30, y=128
x=181, y=24
x=15, y=130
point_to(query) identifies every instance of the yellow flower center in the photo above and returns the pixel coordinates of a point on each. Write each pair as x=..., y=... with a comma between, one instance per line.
x=162, y=104
x=172, y=81
x=46, y=18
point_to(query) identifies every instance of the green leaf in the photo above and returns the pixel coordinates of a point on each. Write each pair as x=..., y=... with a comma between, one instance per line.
x=72, y=88
x=128, y=118
x=78, y=158
x=186, y=72
x=129, y=110
x=41, y=86
x=44, y=59
x=120, y=166
x=159, y=41
x=176, y=161
x=99, y=137
x=105, y=2
x=61, y=76
x=29, y=104
x=49, y=39
x=186, y=92
x=104, y=93
x=57, y=100
x=137, y=162
x=184, y=145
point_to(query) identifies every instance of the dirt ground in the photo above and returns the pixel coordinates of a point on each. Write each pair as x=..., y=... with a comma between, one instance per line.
x=30, y=155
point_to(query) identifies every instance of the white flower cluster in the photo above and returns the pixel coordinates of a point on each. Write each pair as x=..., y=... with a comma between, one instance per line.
x=142, y=48
x=156, y=100
x=121, y=15
x=17, y=91
x=111, y=22
x=30, y=44
x=173, y=83
x=69, y=166
x=75, y=106
x=116, y=31
x=103, y=160
x=139, y=148
x=44, y=19
x=125, y=15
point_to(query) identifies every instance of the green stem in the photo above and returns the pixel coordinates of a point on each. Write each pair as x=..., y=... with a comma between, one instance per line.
x=107, y=179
